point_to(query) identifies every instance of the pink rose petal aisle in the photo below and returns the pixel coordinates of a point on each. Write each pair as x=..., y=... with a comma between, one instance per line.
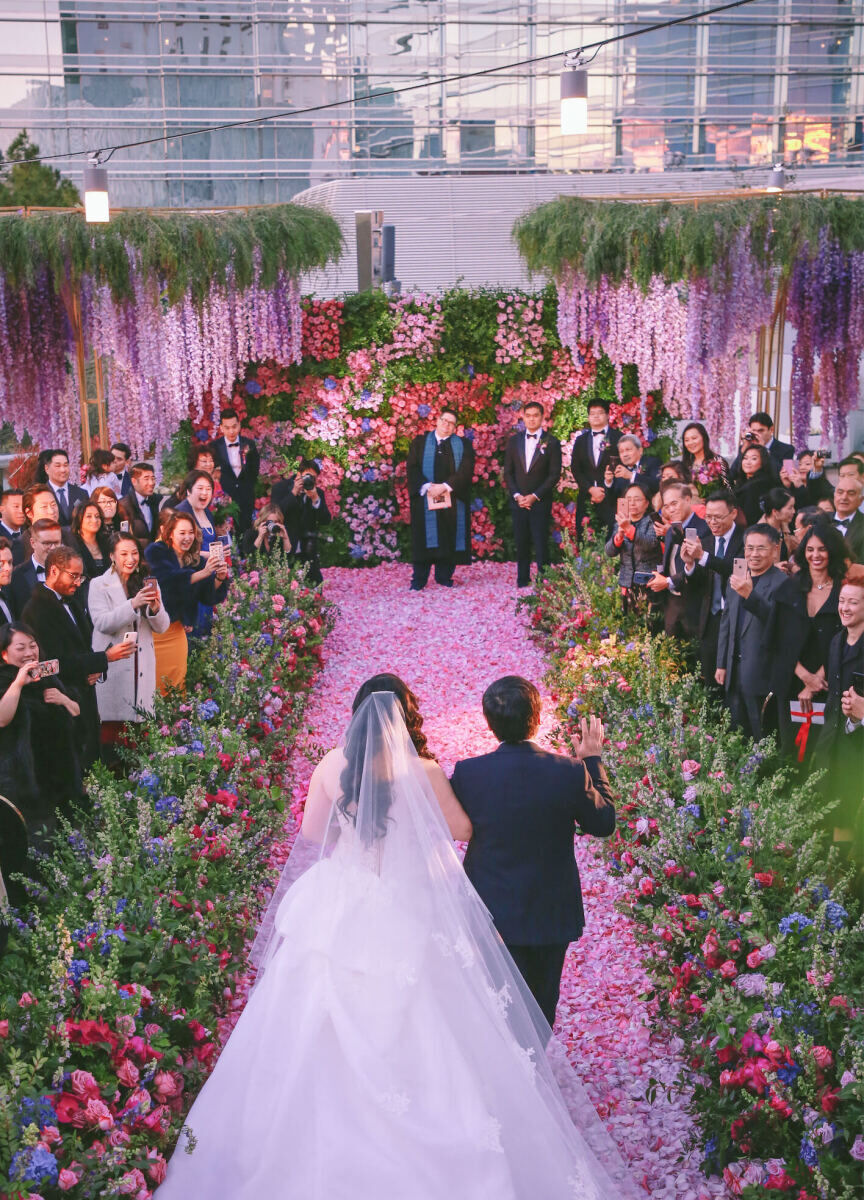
x=448, y=645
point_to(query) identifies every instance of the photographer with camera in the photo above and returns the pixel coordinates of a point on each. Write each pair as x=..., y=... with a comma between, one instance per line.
x=305, y=512
x=267, y=537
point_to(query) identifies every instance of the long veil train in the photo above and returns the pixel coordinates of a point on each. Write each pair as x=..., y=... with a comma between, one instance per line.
x=390, y=1050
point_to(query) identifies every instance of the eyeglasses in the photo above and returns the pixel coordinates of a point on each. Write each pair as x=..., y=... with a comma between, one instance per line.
x=75, y=576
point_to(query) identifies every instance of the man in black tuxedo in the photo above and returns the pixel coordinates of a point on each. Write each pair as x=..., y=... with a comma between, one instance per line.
x=680, y=610
x=634, y=467
x=140, y=505
x=64, y=631
x=761, y=431
x=532, y=468
x=525, y=805
x=121, y=466
x=45, y=536
x=707, y=569
x=12, y=519
x=440, y=470
x=743, y=667
x=305, y=512
x=6, y=616
x=66, y=494
x=593, y=451
x=847, y=517
x=239, y=464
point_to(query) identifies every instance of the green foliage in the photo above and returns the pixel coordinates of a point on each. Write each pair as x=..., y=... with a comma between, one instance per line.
x=30, y=183
x=679, y=241
x=186, y=250
x=366, y=319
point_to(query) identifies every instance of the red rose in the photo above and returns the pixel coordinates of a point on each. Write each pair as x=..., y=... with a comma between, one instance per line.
x=65, y=1106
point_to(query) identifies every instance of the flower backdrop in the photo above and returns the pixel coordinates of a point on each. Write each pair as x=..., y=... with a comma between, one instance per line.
x=680, y=290
x=375, y=372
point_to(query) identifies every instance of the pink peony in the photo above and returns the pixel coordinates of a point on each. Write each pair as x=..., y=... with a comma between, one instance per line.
x=166, y=1085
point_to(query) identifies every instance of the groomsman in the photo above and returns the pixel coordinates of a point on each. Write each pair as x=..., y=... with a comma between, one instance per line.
x=239, y=464
x=593, y=452
x=140, y=505
x=532, y=468
x=12, y=519
x=122, y=468
x=440, y=471
x=66, y=494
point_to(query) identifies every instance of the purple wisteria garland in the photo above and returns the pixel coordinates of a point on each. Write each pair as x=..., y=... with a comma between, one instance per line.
x=159, y=361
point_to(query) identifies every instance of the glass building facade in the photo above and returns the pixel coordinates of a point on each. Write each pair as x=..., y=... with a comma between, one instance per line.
x=774, y=79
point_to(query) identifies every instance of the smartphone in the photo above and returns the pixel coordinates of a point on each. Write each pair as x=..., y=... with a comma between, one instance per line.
x=150, y=582
x=640, y=578
x=739, y=568
x=622, y=511
x=788, y=466
x=131, y=636
x=691, y=534
x=124, y=526
x=858, y=682
x=40, y=670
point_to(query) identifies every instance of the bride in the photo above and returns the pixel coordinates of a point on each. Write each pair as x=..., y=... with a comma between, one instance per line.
x=389, y=1049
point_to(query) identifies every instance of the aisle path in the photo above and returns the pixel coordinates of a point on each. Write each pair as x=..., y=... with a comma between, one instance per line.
x=448, y=645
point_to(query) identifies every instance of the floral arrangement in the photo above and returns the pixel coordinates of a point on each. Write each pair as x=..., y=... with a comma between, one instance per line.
x=752, y=940
x=128, y=970
x=397, y=361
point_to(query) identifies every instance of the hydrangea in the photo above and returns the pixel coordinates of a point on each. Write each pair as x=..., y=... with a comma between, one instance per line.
x=795, y=920
x=808, y=1153
x=836, y=915
x=78, y=968
x=36, y=1112
x=208, y=710
x=34, y=1164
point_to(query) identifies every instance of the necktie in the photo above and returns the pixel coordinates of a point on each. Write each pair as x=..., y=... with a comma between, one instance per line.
x=64, y=503
x=717, y=582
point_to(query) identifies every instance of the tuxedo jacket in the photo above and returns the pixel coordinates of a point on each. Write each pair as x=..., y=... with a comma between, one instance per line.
x=7, y=613
x=648, y=475
x=855, y=537
x=75, y=495
x=525, y=805
x=21, y=586
x=125, y=481
x=241, y=488
x=13, y=537
x=741, y=648
x=699, y=584
x=130, y=510
x=585, y=472
x=541, y=479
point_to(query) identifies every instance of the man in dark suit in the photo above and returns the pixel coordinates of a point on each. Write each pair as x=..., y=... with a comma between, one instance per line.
x=634, y=467
x=680, y=522
x=525, y=805
x=707, y=569
x=66, y=494
x=45, y=536
x=12, y=519
x=847, y=517
x=305, y=512
x=122, y=466
x=743, y=667
x=64, y=631
x=532, y=468
x=140, y=505
x=761, y=431
x=6, y=615
x=593, y=451
x=440, y=469
x=239, y=464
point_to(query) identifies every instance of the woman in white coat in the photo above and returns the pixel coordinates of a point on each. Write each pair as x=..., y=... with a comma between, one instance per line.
x=124, y=604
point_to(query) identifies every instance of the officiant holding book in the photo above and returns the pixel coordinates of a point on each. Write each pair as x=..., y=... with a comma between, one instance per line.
x=440, y=471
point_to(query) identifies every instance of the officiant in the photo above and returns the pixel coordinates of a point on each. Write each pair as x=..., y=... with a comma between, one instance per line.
x=440, y=471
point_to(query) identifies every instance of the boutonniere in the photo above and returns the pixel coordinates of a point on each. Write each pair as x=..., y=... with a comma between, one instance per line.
x=542, y=447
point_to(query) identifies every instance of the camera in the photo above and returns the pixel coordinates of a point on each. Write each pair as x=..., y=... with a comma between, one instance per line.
x=821, y=453
x=750, y=436
x=270, y=526
x=309, y=482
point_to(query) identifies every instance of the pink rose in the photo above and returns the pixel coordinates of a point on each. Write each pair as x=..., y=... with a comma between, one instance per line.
x=857, y=1150
x=754, y=958
x=4, y=1028
x=158, y=1168
x=26, y=1000
x=66, y=1179
x=690, y=768
x=133, y=1183
x=50, y=1135
x=98, y=1114
x=152, y=1030
x=823, y=1056
x=83, y=1084
x=124, y=1024
x=118, y=1137
x=728, y=970
x=166, y=1085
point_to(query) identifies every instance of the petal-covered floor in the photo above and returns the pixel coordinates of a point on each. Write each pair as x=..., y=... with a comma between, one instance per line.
x=448, y=644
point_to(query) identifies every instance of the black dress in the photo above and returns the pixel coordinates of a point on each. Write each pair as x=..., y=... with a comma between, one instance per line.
x=749, y=493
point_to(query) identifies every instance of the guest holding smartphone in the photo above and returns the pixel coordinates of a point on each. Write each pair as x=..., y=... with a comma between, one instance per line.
x=197, y=491
x=634, y=538
x=126, y=605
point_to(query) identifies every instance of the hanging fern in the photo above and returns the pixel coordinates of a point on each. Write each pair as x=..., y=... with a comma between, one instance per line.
x=186, y=250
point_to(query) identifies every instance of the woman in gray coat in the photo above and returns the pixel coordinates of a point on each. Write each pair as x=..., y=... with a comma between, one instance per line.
x=635, y=540
x=122, y=604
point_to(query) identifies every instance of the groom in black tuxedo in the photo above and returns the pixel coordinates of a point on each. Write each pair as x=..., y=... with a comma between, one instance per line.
x=532, y=468
x=525, y=805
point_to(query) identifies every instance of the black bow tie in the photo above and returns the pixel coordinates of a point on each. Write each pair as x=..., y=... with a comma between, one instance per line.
x=40, y=571
x=233, y=445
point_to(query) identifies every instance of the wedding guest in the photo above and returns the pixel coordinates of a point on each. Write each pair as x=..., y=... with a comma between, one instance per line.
x=593, y=451
x=634, y=467
x=197, y=496
x=851, y=468
x=109, y=507
x=743, y=668
x=752, y=479
x=802, y=624
x=532, y=468
x=760, y=431
x=268, y=537
x=826, y=506
x=670, y=472
x=100, y=471
x=238, y=461
x=805, y=517
x=125, y=603
x=841, y=745
x=12, y=519
x=305, y=514
x=39, y=768
x=39, y=503
x=90, y=541
x=65, y=493
x=707, y=569
x=45, y=536
x=121, y=466
x=808, y=482
x=635, y=540
x=199, y=458
x=680, y=608
x=64, y=631
x=778, y=510
x=848, y=519
x=703, y=465
x=140, y=507
x=6, y=566
x=186, y=579
x=440, y=470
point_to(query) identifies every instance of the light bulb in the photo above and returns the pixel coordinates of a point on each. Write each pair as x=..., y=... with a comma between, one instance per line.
x=96, y=209
x=574, y=102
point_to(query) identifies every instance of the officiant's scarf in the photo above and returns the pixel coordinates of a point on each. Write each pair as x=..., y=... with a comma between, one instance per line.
x=429, y=476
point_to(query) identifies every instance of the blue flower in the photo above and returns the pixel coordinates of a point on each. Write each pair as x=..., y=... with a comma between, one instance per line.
x=365, y=424
x=469, y=370
x=476, y=504
x=78, y=968
x=34, y=1165
x=169, y=806
x=836, y=915
x=330, y=383
x=208, y=710
x=423, y=410
x=253, y=387
x=202, y=435
x=267, y=639
x=357, y=551
x=573, y=708
x=788, y=1073
x=105, y=943
x=196, y=747
x=795, y=920
x=470, y=434
x=121, y=904
x=808, y=1153
x=702, y=914
x=365, y=395
x=821, y=892
x=746, y=821
x=692, y=809
x=370, y=475
x=36, y=1112
x=149, y=781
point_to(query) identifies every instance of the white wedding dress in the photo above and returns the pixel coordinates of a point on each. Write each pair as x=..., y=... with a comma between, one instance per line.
x=389, y=1050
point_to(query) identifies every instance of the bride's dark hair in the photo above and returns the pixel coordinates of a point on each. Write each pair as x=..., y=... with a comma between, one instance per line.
x=356, y=750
